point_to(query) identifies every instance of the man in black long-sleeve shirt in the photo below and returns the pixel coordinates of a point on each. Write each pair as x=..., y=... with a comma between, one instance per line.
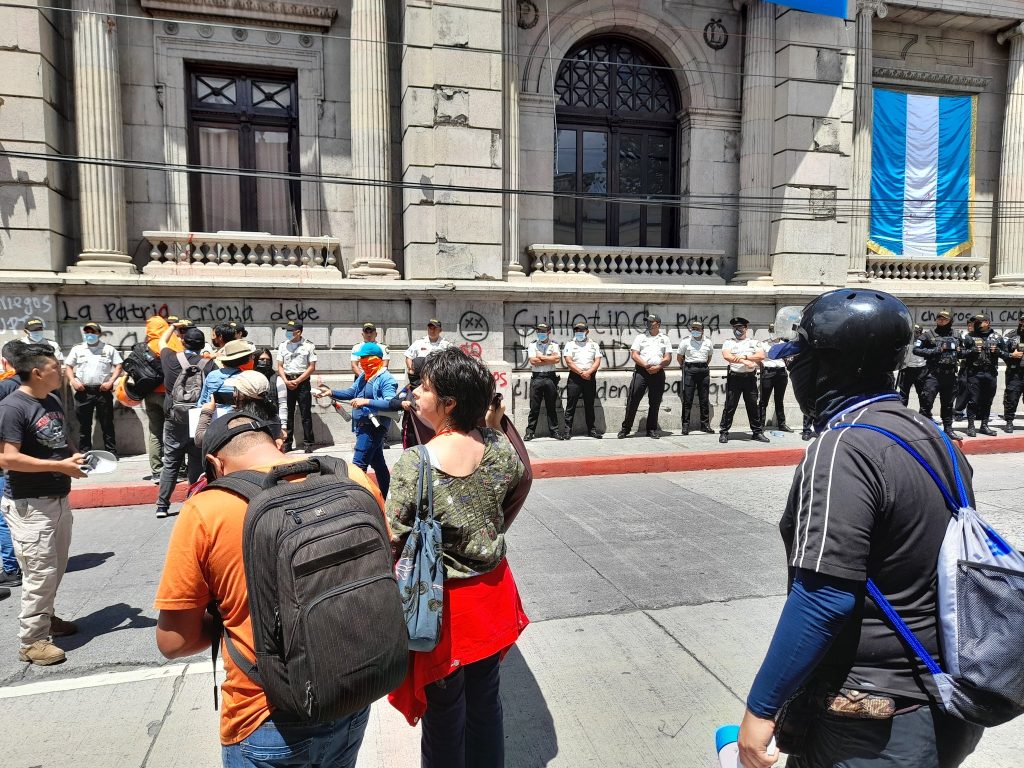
x=981, y=351
x=940, y=349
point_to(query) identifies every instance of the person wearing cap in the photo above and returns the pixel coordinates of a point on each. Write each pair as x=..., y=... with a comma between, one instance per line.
x=1013, y=356
x=543, y=355
x=694, y=355
x=940, y=350
x=432, y=342
x=650, y=352
x=234, y=357
x=204, y=566
x=178, y=444
x=913, y=374
x=963, y=394
x=774, y=382
x=92, y=367
x=40, y=463
x=981, y=351
x=296, y=361
x=371, y=393
x=744, y=356
x=583, y=358
x=35, y=332
x=369, y=335
x=252, y=395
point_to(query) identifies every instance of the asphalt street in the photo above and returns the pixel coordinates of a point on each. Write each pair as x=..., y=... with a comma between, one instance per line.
x=652, y=597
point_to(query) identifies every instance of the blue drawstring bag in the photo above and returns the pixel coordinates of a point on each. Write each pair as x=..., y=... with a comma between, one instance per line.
x=420, y=569
x=980, y=610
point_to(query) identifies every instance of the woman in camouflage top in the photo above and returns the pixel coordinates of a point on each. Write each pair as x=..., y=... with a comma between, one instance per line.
x=454, y=688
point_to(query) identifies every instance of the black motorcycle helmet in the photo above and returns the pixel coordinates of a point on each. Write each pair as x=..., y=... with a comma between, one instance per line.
x=863, y=332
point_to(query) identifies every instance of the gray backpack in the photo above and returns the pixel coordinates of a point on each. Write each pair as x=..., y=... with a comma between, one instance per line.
x=187, y=389
x=326, y=615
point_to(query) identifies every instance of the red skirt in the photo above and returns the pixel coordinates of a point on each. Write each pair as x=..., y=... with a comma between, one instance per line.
x=482, y=616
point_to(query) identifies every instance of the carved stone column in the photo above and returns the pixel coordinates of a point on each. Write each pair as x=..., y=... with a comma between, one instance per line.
x=98, y=130
x=863, y=117
x=371, y=141
x=510, y=202
x=1010, y=227
x=755, y=247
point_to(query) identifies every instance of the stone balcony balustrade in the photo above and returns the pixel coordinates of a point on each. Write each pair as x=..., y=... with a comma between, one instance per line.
x=625, y=265
x=241, y=252
x=944, y=269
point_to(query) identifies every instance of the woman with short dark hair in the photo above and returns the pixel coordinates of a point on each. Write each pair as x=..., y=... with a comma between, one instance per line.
x=454, y=688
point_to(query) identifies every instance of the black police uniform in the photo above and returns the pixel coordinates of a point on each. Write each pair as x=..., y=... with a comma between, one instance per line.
x=1014, y=384
x=981, y=351
x=939, y=347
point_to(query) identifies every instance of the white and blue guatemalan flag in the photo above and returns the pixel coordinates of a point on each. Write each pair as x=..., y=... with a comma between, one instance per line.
x=835, y=8
x=922, y=174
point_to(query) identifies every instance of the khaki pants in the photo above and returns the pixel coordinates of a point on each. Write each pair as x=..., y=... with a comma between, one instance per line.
x=41, y=529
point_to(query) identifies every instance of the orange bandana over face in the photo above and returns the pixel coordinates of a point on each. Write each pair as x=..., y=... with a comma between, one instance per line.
x=370, y=366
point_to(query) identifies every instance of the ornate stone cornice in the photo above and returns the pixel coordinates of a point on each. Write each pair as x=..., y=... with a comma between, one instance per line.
x=966, y=82
x=875, y=7
x=294, y=13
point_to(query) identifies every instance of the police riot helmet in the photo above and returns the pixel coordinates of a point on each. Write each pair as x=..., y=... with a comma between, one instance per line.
x=863, y=332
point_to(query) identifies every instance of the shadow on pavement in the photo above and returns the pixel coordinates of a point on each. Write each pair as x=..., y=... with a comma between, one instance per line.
x=530, y=735
x=113, y=618
x=87, y=560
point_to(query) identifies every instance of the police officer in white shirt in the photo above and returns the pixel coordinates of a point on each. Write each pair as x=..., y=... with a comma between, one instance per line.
x=369, y=337
x=744, y=356
x=432, y=342
x=92, y=367
x=35, y=331
x=774, y=381
x=583, y=358
x=543, y=356
x=694, y=354
x=651, y=351
x=296, y=361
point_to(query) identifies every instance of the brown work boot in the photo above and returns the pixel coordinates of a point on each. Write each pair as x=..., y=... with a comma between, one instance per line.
x=61, y=628
x=41, y=652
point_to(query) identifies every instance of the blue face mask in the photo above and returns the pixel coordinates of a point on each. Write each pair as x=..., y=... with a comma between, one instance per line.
x=696, y=334
x=738, y=332
x=542, y=337
x=35, y=336
x=91, y=338
x=581, y=337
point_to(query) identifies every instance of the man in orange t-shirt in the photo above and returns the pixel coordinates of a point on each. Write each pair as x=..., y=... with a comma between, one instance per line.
x=203, y=565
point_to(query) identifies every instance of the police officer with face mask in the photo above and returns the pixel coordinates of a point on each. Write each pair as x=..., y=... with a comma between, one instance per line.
x=1013, y=356
x=981, y=352
x=941, y=352
x=694, y=354
x=743, y=354
x=650, y=352
x=583, y=358
x=543, y=355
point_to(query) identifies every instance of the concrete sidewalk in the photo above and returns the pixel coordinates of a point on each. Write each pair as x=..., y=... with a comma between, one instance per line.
x=579, y=457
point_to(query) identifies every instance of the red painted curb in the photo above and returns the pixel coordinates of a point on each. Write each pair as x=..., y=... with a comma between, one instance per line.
x=129, y=494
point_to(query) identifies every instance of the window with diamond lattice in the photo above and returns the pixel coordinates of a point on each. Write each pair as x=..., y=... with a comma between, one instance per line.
x=615, y=151
x=245, y=121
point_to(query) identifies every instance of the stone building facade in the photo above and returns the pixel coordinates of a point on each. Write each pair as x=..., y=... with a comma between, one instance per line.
x=490, y=162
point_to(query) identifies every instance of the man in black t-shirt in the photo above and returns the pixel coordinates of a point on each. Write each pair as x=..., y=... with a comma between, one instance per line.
x=177, y=443
x=860, y=507
x=40, y=463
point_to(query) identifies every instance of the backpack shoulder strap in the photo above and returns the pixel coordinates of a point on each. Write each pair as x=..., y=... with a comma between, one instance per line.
x=183, y=361
x=247, y=483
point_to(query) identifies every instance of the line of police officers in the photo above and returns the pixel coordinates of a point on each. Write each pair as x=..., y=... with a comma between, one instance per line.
x=962, y=370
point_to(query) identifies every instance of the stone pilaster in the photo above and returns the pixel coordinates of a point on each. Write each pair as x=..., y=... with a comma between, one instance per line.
x=510, y=200
x=371, y=141
x=98, y=130
x=1010, y=240
x=755, y=236
x=863, y=117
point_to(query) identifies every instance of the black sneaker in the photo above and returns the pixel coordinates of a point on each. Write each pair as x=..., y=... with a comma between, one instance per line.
x=10, y=578
x=622, y=434
x=760, y=437
x=723, y=438
x=528, y=436
x=161, y=513
x=595, y=434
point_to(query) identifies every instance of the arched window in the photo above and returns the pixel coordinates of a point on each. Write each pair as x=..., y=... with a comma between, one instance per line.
x=617, y=128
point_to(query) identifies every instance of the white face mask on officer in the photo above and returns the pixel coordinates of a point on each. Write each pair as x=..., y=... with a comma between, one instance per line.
x=36, y=336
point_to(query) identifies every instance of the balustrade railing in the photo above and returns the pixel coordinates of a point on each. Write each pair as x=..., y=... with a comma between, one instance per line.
x=610, y=264
x=949, y=269
x=242, y=250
